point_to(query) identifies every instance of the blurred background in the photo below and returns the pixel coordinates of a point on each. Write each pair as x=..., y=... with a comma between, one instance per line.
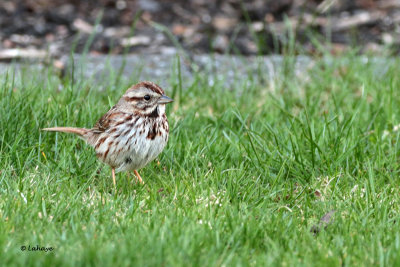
x=36, y=28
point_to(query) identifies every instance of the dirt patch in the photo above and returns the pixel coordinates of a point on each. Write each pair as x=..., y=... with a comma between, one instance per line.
x=198, y=26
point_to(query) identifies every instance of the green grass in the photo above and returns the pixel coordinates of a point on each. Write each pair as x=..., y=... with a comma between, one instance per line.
x=237, y=185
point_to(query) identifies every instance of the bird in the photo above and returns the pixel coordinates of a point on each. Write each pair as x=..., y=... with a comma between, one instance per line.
x=132, y=133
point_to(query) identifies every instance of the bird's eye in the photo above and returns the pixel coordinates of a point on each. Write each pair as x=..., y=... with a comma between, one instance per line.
x=146, y=97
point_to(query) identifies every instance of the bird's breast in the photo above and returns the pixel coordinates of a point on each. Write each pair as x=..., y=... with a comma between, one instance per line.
x=132, y=144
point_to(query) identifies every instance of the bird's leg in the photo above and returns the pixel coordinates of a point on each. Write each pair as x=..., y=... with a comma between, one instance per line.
x=138, y=177
x=113, y=176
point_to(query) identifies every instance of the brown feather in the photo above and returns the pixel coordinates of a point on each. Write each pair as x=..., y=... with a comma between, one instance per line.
x=78, y=131
x=108, y=120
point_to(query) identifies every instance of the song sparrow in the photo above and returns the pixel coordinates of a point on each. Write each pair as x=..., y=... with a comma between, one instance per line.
x=132, y=133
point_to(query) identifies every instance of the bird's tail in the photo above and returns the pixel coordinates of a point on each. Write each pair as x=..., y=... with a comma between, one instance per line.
x=82, y=132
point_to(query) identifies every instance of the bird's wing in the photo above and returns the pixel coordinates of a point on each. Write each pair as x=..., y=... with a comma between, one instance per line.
x=109, y=120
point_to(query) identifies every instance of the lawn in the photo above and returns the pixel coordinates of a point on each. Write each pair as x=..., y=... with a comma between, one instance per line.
x=249, y=170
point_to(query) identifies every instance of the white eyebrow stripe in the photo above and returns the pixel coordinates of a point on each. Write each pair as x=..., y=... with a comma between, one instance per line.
x=135, y=94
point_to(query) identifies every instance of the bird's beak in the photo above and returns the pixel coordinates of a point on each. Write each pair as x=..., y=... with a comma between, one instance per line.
x=165, y=100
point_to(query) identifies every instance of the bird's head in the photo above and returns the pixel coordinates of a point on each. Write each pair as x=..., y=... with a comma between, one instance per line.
x=144, y=98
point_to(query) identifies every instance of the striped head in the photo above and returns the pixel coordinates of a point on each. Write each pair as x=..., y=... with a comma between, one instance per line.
x=144, y=98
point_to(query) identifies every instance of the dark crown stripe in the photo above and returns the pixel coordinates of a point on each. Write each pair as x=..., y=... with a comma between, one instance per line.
x=152, y=86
